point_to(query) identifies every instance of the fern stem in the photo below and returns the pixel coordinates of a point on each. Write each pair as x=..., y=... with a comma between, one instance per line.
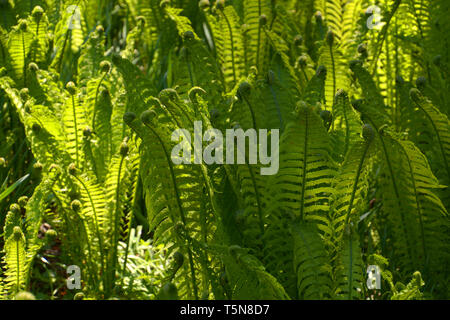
x=245, y=43
x=90, y=155
x=422, y=37
x=305, y=161
x=18, y=266
x=252, y=113
x=127, y=247
x=274, y=18
x=255, y=186
x=66, y=37
x=24, y=61
x=37, y=37
x=258, y=200
x=333, y=69
x=75, y=123
x=355, y=184
x=116, y=222
x=96, y=99
x=210, y=30
x=350, y=273
x=204, y=230
x=347, y=219
x=347, y=130
x=396, y=66
x=388, y=81
x=191, y=78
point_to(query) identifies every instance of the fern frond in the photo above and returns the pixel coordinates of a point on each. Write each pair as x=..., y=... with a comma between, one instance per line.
x=19, y=46
x=333, y=59
x=348, y=192
x=350, y=270
x=301, y=187
x=38, y=24
x=282, y=49
x=428, y=221
x=256, y=42
x=347, y=125
x=247, y=277
x=35, y=209
x=183, y=23
x=230, y=43
x=315, y=89
x=92, y=54
x=311, y=263
x=173, y=192
x=74, y=121
x=441, y=127
x=14, y=259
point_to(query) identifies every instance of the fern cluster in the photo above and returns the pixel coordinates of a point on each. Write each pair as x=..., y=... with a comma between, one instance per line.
x=364, y=148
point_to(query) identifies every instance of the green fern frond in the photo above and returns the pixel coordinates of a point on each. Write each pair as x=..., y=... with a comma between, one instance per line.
x=69, y=36
x=310, y=263
x=247, y=277
x=412, y=290
x=183, y=23
x=256, y=43
x=74, y=121
x=301, y=187
x=350, y=270
x=92, y=54
x=332, y=57
x=15, y=261
x=428, y=222
x=440, y=126
x=347, y=125
x=315, y=89
x=19, y=46
x=34, y=216
x=346, y=201
x=38, y=24
x=139, y=89
x=229, y=43
x=282, y=49
x=173, y=192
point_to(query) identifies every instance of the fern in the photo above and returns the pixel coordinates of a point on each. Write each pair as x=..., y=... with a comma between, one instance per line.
x=349, y=186
x=229, y=43
x=347, y=125
x=246, y=276
x=253, y=10
x=91, y=94
x=419, y=185
x=307, y=165
x=14, y=258
x=440, y=125
x=310, y=263
x=19, y=46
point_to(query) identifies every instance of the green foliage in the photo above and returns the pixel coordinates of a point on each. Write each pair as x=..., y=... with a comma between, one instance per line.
x=91, y=94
